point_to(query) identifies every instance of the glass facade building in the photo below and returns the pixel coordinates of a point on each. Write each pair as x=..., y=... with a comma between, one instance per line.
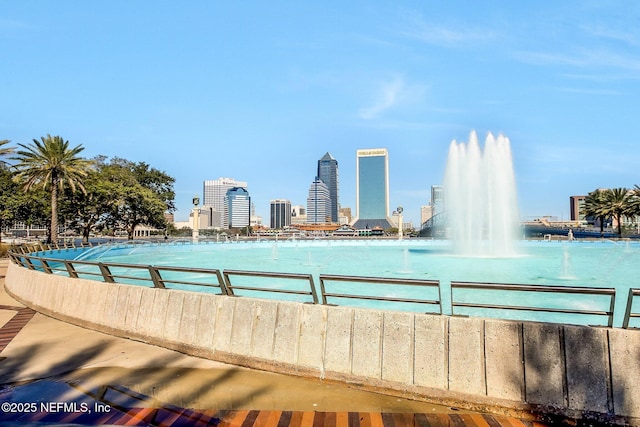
x=237, y=208
x=372, y=188
x=328, y=173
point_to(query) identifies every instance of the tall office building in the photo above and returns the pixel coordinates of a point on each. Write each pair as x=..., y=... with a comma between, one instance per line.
x=280, y=213
x=372, y=189
x=237, y=208
x=213, y=195
x=437, y=199
x=328, y=173
x=318, y=203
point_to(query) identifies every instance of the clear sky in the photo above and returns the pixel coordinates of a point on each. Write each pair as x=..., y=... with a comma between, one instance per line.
x=259, y=91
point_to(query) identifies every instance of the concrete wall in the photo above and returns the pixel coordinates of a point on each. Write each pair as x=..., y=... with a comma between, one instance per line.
x=509, y=367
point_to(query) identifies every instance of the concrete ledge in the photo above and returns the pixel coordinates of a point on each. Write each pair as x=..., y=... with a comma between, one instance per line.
x=523, y=369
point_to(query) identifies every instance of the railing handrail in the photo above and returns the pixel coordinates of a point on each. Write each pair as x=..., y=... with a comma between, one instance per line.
x=533, y=288
x=379, y=280
x=610, y=292
x=289, y=276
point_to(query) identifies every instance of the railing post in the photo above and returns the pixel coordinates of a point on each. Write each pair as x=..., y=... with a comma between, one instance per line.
x=70, y=269
x=156, y=278
x=322, y=290
x=227, y=284
x=222, y=284
x=106, y=273
x=627, y=312
x=30, y=265
x=612, y=309
x=313, y=290
x=45, y=266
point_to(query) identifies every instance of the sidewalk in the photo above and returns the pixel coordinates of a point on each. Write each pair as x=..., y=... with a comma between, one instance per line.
x=54, y=372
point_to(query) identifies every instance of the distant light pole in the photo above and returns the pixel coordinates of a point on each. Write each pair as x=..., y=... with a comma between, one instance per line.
x=399, y=210
x=196, y=219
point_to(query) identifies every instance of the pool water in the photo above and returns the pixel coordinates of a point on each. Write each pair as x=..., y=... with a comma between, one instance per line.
x=599, y=264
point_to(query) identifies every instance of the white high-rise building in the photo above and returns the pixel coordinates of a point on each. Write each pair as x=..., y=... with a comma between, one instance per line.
x=237, y=207
x=318, y=203
x=213, y=195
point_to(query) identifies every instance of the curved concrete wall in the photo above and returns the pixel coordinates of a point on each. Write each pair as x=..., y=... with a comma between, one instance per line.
x=509, y=367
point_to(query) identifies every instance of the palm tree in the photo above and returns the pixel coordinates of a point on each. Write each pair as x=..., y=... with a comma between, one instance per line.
x=618, y=205
x=50, y=163
x=5, y=150
x=595, y=205
x=634, y=203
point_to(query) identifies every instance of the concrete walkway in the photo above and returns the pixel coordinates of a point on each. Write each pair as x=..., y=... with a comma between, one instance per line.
x=53, y=372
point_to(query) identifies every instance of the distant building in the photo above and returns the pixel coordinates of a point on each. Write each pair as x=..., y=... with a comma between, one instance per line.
x=372, y=189
x=426, y=212
x=318, y=203
x=576, y=208
x=209, y=217
x=328, y=173
x=298, y=214
x=437, y=200
x=237, y=208
x=213, y=195
x=344, y=216
x=280, y=213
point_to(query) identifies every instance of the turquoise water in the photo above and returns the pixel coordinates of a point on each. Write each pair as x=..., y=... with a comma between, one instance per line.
x=576, y=263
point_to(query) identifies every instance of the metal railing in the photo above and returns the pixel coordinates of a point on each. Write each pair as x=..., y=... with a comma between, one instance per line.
x=509, y=293
x=308, y=278
x=334, y=289
x=360, y=294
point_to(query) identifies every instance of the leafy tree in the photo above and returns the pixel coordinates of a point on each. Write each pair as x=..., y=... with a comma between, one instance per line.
x=51, y=163
x=88, y=211
x=142, y=195
x=595, y=205
x=157, y=181
x=6, y=185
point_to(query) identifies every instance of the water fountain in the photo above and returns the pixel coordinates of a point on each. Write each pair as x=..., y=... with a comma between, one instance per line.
x=480, y=197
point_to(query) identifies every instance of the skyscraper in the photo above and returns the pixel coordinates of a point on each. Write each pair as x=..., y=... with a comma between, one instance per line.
x=372, y=188
x=237, y=208
x=328, y=173
x=213, y=195
x=280, y=213
x=318, y=203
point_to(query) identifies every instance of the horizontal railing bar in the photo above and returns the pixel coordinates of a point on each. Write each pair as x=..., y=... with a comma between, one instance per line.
x=376, y=298
x=540, y=309
x=179, y=282
x=301, y=276
x=418, y=282
x=281, y=291
x=532, y=288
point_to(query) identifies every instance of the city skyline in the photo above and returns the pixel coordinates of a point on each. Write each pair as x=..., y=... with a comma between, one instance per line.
x=260, y=91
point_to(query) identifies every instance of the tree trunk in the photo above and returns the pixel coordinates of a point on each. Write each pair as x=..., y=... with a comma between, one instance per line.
x=53, y=235
x=619, y=218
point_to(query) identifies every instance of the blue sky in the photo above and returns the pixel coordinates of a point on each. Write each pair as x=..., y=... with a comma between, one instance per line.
x=259, y=91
